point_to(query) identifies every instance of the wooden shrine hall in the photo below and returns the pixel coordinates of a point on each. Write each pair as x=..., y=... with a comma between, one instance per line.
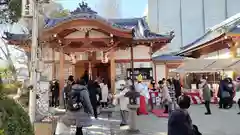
x=85, y=41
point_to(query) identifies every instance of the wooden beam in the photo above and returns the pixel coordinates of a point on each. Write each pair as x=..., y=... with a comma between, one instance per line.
x=61, y=74
x=68, y=50
x=105, y=40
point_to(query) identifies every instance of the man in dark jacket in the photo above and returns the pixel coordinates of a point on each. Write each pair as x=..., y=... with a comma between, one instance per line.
x=177, y=86
x=54, y=88
x=179, y=122
x=94, y=91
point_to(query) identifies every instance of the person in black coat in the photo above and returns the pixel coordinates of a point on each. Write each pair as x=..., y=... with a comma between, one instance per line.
x=54, y=88
x=219, y=94
x=94, y=91
x=177, y=86
x=67, y=89
x=85, y=76
x=229, y=88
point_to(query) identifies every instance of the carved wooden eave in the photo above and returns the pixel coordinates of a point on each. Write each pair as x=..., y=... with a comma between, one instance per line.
x=65, y=28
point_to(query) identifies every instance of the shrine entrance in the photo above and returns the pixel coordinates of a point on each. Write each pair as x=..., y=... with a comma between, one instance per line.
x=98, y=69
x=84, y=33
x=102, y=70
x=80, y=68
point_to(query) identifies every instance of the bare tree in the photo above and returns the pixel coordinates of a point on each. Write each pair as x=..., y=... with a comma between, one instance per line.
x=7, y=55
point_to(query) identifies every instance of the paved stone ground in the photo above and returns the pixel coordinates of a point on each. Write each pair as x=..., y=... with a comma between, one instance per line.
x=221, y=122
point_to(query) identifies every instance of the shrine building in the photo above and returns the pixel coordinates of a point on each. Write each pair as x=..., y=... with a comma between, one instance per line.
x=84, y=41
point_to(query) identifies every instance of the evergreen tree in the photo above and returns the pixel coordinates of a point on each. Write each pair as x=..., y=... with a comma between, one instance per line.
x=10, y=10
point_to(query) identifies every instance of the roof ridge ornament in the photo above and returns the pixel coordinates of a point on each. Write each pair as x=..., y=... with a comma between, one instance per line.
x=83, y=8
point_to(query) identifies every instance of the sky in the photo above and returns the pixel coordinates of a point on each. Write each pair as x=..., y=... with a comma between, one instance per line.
x=129, y=8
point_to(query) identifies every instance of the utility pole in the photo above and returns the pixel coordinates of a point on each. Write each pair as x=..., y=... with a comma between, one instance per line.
x=34, y=64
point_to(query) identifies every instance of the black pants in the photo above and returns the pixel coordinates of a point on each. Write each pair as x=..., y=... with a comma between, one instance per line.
x=166, y=109
x=54, y=100
x=238, y=102
x=207, y=105
x=95, y=112
x=79, y=131
x=220, y=103
x=104, y=104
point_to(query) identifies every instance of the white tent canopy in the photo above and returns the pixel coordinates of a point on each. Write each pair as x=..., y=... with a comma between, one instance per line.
x=194, y=65
x=234, y=66
x=208, y=65
x=222, y=64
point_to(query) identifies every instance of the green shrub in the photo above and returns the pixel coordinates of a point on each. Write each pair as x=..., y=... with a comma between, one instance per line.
x=11, y=88
x=15, y=121
x=1, y=132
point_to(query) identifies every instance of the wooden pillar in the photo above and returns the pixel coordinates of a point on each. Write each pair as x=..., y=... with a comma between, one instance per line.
x=73, y=70
x=132, y=66
x=234, y=54
x=152, y=63
x=233, y=49
x=53, y=65
x=112, y=70
x=91, y=59
x=61, y=70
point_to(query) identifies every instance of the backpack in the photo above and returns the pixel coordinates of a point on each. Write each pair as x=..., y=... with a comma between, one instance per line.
x=75, y=101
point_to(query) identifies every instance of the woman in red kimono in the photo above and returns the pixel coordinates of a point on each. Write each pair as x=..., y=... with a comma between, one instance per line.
x=142, y=100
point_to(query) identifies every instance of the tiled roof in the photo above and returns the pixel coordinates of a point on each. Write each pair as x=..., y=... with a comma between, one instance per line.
x=204, y=39
x=167, y=57
x=11, y=36
x=138, y=25
x=235, y=30
x=228, y=25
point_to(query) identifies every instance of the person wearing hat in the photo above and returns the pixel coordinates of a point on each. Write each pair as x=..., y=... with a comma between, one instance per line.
x=123, y=101
x=141, y=89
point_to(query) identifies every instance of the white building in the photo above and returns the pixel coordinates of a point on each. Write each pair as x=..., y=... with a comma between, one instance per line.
x=188, y=18
x=109, y=8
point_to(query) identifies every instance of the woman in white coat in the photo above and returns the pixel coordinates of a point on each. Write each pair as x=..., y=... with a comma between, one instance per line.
x=166, y=99
x=123, y=101
x=104, y=92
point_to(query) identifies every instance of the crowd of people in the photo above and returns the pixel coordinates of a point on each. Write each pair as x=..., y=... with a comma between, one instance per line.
x=83, y=98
